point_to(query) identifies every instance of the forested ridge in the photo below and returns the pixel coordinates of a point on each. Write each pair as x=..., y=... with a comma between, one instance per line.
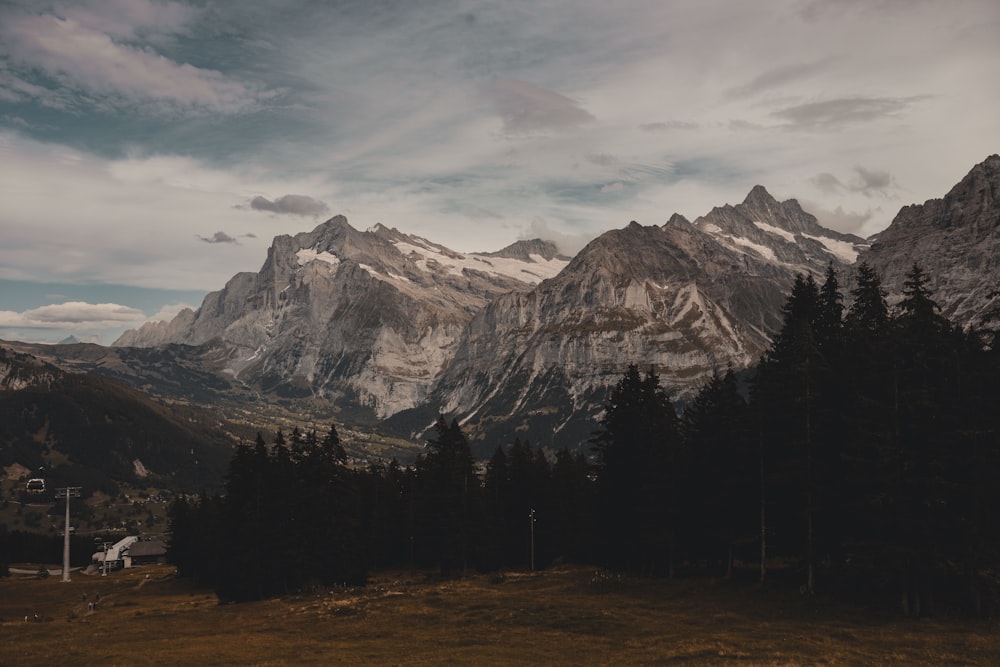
x=859, y=458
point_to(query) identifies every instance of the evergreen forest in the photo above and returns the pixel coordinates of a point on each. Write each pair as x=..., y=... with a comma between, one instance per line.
x=859, y=458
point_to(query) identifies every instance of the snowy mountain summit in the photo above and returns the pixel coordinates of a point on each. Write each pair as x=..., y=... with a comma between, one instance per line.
x=393, y=328
x=368, y=317
x=779, y=232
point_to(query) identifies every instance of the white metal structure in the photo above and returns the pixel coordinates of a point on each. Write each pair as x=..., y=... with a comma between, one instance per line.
x=114, y=553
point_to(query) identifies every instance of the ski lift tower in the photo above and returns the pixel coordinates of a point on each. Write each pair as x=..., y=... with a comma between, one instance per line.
x=69, y=492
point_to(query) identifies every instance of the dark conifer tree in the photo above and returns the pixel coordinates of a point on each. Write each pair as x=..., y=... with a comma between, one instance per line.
x=829, y=320
x=720, y=487
x=868, y=311
x=539, y=520
x=519, y=503
x=496, y=495
x=384, y=514
x=639, y=460
x=245, y=552
x=800, y=395
x=331, y=497
x=447, y=500
x=927, y=381
x=572, y=509
x=182, y=551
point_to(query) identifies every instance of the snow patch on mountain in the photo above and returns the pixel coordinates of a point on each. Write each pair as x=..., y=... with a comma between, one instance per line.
x=771, y=229
x=429, y=259
x=307, y=255
x=842, y=250
x=761, y=250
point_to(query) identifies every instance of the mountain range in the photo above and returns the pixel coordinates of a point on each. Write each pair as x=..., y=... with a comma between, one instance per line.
x=388, y=329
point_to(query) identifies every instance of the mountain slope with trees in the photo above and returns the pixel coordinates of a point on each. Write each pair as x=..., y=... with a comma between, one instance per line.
x=861, y=461
x=96, y=432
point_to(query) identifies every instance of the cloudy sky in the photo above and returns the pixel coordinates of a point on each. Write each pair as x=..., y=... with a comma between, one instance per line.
x=150, y=149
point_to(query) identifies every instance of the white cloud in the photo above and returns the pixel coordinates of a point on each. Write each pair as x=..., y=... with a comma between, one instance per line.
x=108, y=73
x=168, y=312
x=425, y=120
x=73, y=315
x=569, y=243
x=128, y=18
x=75, y=217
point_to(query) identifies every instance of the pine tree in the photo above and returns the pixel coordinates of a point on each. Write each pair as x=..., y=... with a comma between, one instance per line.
x=573, y=508
x=829, y=320
x=638, y=471
x=797, y=389
x=331, y=509
x=447, y=499
x=868, y=311
x=719, y=492
x=496, y=496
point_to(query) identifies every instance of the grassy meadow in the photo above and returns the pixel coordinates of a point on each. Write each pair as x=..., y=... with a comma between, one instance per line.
x=147, y=616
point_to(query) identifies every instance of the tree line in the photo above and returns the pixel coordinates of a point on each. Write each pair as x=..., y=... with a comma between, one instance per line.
x=857, y=457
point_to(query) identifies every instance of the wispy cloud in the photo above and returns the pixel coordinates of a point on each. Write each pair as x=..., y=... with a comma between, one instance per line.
x=128, y=19
x=149, y=122
x=868, y=182
x=777, y=77
x=844, y=111
x=666, y=126
x=569, y=243
x=525, y=107
x=842, y=220
x=78, y=52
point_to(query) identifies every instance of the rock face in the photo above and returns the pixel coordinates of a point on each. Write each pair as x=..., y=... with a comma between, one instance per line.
x=956, y=241
x=685, y=299
x=20, y=371
x=364, y=318
x=525, y=342
x=781, y=233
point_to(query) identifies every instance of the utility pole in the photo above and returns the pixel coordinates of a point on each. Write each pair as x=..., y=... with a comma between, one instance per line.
x=71, y=492
x=531, y=521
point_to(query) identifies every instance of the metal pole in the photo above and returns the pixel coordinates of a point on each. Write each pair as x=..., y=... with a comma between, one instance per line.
x=73, y=491
x=65, y=576
x=531, y=520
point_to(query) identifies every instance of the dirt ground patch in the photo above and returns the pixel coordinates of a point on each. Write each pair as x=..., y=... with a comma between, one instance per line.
x=567, y=616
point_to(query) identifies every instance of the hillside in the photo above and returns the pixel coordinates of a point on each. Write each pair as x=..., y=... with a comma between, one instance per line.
x=93, y=431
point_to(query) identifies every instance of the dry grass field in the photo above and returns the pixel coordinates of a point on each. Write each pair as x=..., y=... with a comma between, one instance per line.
x=147, y=616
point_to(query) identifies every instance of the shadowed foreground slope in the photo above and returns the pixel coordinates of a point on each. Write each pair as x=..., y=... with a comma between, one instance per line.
x=564, y=616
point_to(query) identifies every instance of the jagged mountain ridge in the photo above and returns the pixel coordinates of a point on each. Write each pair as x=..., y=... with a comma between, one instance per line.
x=956, y=241
x=686, y=299
x=370, y=317
x=410, y=328
x=535, y=359
x=780, y=232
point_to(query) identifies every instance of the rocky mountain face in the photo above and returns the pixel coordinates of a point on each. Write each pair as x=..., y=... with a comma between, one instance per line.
x=685, y=299
x=20, y=371
x=956, y=241
x=780, y=232
x=366, y=318
x=525, y=342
